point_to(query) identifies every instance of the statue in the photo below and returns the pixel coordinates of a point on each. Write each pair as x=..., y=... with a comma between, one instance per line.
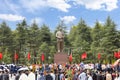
x=60, y=57
x=60, y=40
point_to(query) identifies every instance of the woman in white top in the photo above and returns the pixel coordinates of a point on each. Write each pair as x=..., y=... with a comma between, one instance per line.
x=117, y=77
x=108, y=76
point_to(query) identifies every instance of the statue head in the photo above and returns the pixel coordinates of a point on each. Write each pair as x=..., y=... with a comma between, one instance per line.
x=60, y=29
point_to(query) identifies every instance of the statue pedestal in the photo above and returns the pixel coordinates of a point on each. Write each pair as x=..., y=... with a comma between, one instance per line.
x=60, y=58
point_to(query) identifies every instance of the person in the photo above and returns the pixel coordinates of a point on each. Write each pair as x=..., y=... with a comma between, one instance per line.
x=62, y=75
x=31, y=75
x=89, y=75
x=52, y=74
x=5, y=75
x=117, y=77
x=108, y=75
x=99, y=75
x=48, y=76
x=23, y=75
x=118, y=67
x=94, y=75
x=82, y=75
x=42, y=76
x=60, y=40
x=75, y=75
x=0, y=74
x=18, y=75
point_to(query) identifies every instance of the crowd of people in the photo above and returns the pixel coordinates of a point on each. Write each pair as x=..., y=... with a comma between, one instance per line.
x=60, y=72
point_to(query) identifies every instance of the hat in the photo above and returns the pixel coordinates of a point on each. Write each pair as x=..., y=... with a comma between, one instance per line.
x=23, y=69
x=26, y=69
x=1, y=70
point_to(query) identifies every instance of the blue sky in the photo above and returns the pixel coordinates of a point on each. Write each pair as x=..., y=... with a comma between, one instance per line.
x=51, y=12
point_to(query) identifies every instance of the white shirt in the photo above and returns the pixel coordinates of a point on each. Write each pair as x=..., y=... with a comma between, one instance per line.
x=53, y=75
x=23, y=76
x=90, y=77
x=108, y=76
x=12, y=78
x=31, y=76
x=82, y=76
x=117, y=78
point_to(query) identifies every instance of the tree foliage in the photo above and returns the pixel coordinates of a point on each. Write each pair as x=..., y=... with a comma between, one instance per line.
x=100, y=38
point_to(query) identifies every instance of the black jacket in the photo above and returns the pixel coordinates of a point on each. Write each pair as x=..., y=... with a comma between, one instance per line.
x=49, y=77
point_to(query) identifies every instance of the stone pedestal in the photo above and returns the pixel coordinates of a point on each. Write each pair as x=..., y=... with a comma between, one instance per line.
x=60, y=58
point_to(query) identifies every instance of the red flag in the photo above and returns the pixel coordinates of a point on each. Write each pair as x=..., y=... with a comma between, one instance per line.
x=84, y=56
x=15, y=56
x=28, y=56
x=70, y=58
x=42, y=57
x=1, y=56
x=116, y=54
x=99, y=55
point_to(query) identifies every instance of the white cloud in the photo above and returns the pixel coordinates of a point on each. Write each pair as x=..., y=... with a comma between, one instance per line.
x=37, y=20
x=11, y=6
x=33, y=5
x=107, y=5
x=11, y=17
x=68, y=19
x=8, y=6
x=59, y=4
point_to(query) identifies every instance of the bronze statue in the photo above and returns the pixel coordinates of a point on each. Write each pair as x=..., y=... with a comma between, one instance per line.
x=60, y=40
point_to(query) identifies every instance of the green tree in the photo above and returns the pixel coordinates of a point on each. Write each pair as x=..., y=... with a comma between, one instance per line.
x=21, y=40
x=109, y=38
x=82, y=38
x=6, y=40
x=7, y=56
x=97, y=35
x=45, y=34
